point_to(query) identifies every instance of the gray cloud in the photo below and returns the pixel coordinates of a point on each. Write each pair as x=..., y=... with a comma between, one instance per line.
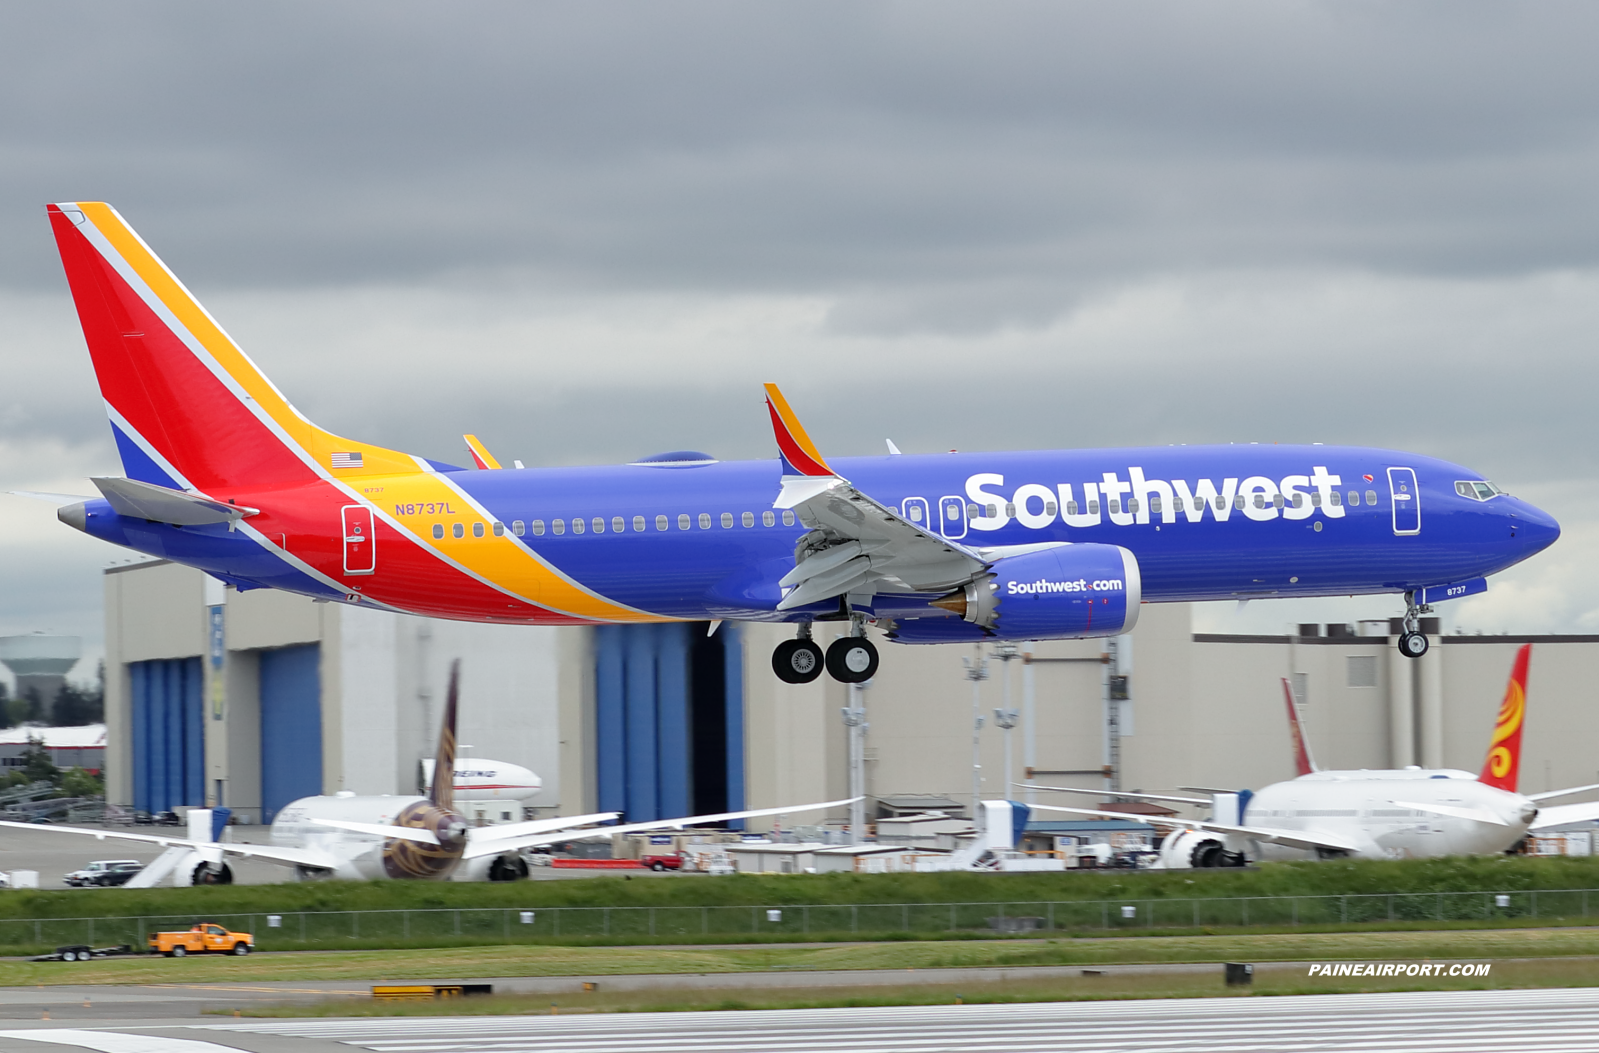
x=587, y=232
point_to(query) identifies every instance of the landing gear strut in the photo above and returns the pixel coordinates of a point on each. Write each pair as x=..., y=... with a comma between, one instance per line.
x=798, y=661
x=1412, y=643
x=853, y=658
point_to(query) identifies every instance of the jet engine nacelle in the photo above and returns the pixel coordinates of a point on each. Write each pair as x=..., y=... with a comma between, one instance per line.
x=1064, y=593
x=1197, y=849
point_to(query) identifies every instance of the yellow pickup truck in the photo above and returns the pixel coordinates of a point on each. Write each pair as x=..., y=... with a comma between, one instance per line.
x=202, y=937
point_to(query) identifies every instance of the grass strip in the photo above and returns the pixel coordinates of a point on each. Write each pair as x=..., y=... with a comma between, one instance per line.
x=1482, y=874
x=465, y=963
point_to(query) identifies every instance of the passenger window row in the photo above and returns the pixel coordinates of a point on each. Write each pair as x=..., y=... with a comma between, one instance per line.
x=618, y=524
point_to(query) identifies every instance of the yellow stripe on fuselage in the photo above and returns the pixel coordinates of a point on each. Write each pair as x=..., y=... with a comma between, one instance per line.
x=418, y=501
x=320, y=444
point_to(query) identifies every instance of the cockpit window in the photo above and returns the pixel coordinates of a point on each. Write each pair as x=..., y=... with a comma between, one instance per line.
x=1477, y=489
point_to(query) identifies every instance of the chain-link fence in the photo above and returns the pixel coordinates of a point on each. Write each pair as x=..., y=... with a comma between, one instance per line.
x=443, y=927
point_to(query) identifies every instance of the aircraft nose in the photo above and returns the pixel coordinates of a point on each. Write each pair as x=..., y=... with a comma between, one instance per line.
x=1532, y=527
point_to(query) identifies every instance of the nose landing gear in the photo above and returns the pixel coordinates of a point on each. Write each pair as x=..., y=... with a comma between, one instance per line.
x=1412, y=642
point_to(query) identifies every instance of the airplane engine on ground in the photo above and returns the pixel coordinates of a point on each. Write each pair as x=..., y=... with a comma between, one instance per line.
x=1197, y=849
x=1066, y=592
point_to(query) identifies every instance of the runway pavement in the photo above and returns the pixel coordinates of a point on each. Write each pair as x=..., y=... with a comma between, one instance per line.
x=1429, y=1022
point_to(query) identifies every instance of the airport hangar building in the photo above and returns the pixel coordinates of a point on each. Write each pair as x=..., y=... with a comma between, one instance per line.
x=249, y=700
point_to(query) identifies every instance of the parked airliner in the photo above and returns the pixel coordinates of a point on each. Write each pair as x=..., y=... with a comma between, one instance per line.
x=223, y=474
x=364, y=838
x=1378, y=814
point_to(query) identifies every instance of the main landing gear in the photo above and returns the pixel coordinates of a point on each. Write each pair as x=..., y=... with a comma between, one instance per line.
x=1412, y=642
x=851, y=659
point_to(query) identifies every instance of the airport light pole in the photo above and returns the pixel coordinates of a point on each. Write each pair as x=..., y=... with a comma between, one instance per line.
x=977, y=672
x=855, y=720
x=1030, y=723
x=1006, y=718
x=1006, y=652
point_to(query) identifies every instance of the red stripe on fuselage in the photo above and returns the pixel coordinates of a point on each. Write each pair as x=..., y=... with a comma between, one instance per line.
x=410, y=576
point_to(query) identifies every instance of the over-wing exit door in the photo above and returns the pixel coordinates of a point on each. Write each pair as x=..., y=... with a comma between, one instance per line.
x=1407, y=500
x=360, y=547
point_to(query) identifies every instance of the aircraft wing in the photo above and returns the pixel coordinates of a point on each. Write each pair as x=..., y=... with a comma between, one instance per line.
x=476, y=848
x=1117, y=793
x=1286, y=838
x=290, y=857
x=534, y=827
x=402, y=833
x=869, y=544
x=1561, y=814
x=1476, y=815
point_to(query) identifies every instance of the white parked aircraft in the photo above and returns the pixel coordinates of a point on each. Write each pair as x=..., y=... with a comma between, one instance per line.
x=368, y=837
x=1379, y=814
x=481, y=779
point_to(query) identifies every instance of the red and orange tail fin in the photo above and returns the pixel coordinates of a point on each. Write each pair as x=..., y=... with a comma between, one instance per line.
x=481, y=457
x=188, y=408
x=1304, y=763
x=1503, y=767
x=800, y=455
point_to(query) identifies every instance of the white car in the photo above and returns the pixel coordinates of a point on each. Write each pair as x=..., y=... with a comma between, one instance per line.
x=99, y=871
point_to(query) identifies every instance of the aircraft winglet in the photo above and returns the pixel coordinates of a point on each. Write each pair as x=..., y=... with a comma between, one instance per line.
x=1303, y=761
x=480, y=453
x=800, y=455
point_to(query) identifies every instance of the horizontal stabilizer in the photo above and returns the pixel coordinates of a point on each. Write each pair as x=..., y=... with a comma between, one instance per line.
x=129, y=497
x=1567, y=792
x=1562, y=814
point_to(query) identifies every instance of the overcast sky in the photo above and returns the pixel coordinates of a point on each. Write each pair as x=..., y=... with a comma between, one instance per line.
x=589, y=231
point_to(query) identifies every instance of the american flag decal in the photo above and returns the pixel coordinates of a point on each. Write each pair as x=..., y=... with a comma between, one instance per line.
x=346, y=460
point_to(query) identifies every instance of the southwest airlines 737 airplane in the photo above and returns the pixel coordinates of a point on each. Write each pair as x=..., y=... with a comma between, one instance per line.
x=1409, y=813
x=223, y=474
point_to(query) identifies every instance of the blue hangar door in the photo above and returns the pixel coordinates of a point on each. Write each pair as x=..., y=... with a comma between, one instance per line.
x=291, y=726
x=669, y=720
x=168, y=714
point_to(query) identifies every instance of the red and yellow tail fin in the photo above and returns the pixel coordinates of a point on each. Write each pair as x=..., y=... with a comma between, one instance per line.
x=1304, y=763
x=1503, y=767
x=187, y=407
x=800, y=455
x=481, y=457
